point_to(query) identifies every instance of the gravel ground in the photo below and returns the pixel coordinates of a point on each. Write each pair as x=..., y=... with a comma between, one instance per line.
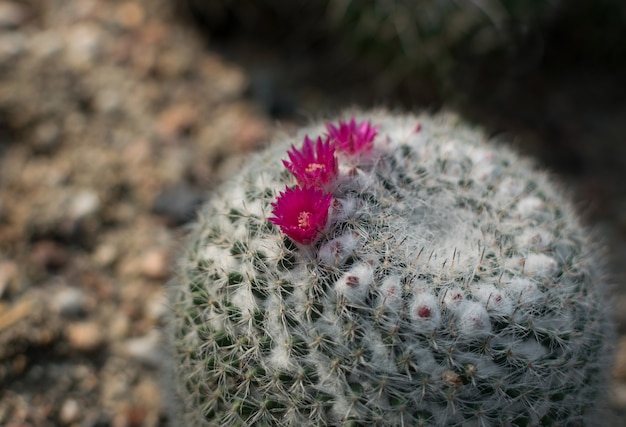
x=116, y=121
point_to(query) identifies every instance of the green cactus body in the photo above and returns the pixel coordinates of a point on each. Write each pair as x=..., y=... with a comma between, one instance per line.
x=451, y=286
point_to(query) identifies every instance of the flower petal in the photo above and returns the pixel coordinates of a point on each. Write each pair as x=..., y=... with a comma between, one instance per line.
x=301, y=213
x=314, y=165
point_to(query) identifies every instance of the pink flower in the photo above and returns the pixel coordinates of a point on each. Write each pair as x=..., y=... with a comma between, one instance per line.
x=301, y=213
x=313, y=166
x=353, y=138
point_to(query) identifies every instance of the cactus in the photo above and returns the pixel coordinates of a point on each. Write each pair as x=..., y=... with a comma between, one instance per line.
x=395, y=270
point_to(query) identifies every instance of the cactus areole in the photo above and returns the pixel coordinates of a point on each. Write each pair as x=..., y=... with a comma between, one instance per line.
x=396, y=270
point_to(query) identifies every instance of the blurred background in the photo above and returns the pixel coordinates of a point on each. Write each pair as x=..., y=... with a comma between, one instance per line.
x=118, y=117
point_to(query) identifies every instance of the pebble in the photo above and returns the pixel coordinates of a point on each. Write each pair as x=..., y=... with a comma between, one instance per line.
x=83, y=204
x=173, y=63
x=177, y=120
x=83, y=44
x=148, y=393
x=132, y=416
x=179, y=203
x=46, y=136
x=12, y=15
x=119, y=327
x=11, y=45
x=49, y=255
x=8, y=274
x=251, y=133
x=69, y=301
x=136, y=416
x=46, y=44
x=70, y=412
x=18, y=364
x=155, y=264
x=108, y=100
x=130, y=15
x=84, y=336
x=105, y=255
x=157, y=306
x=147, y=349
x=231, y=80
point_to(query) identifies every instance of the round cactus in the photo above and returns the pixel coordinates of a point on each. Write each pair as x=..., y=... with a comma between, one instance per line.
x=393, y=270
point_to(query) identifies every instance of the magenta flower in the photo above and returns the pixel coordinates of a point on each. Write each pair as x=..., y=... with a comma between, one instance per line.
x=313, y=166
x=353, y=138
x=301, y=213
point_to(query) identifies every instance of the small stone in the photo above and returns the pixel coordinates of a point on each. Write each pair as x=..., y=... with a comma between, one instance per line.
x=11, y=45
x=18, y=364
x=136, y=416
x=130, y=416
x=12, y=15
x=49, y=255
x=177, y=120
x=105, y=255
x=8, y=274
x=149, y=392
x=84, y=336
x=157, y=307
x=70, y=412
x=69, y=301
x=228, y=80
x=46, y=136
x=146, y=349
x=18, y=311
x=107, y=100
x=45, y=44
x=250, y=134
x=130, y=15
x=83, y=44
x=83, y=204
x=179, y=204
x=119, y=327
x=155, y=264
x=173, y=63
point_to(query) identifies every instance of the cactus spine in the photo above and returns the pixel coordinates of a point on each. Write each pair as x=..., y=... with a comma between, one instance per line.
x=449, y=284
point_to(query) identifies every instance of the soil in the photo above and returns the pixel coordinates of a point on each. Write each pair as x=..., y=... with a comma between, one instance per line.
x=118, y=117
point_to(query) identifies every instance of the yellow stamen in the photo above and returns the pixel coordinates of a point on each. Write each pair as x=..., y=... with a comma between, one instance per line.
x=304, y=220
x=314, y=167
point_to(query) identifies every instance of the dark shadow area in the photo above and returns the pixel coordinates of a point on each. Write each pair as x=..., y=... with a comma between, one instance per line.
x=571, y=64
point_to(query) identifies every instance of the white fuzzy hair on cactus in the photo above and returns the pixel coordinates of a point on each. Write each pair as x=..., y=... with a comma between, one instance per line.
x=390, y=270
